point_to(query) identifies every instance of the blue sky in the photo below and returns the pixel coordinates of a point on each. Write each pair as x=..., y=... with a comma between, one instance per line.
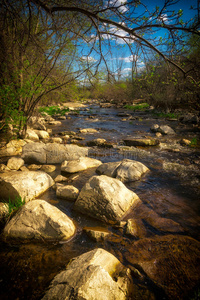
x=120, y=57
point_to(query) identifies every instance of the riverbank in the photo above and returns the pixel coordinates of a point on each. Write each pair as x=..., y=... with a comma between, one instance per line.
x=157, y=239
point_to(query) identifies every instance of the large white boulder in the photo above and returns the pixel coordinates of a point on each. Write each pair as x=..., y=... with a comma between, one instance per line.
x=125, y=170
x=80, y=164
x=94, y=275
x=39, y=220
x=105, y=198
x=27, y=185
x=51, y=153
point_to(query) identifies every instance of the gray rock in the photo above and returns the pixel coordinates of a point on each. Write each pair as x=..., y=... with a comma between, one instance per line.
x=105, y=198
x=108, y=169
x=15, y=163
x=98, y=235
x=55, y=123
x=141, y=142
x=60, y=178
x=125, y=170
x=190, y=118
x=39, y=220
x=93, y=275
x=37, y=123
x=31, y=135
x=14, y=147
x=42, y=134
x=4, y=212
x=185, y=142
x=56, y=140
x=26, y=185
x=51, y=153
x=4, y=168
x=165, y=129
x=48, y=168
x=154, y=127
x=136, y=228
x=68, y=192
x=34, y=167
x=96, y=142
x=80, y=164
x=88, y=130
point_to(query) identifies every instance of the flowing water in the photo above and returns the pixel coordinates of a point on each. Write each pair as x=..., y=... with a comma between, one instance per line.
x=27, y=269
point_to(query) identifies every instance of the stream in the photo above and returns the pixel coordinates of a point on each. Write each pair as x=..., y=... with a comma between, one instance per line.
x=172, y=192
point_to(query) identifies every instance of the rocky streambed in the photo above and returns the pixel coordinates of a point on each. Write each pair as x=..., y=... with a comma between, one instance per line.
x=112, y=207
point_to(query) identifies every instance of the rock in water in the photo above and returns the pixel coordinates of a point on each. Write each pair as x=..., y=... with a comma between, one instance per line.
x=51, y=153
x=39, y=220
x=105, y=198
x=27, y=185
x=15, y=163
x=165, y=129
x=141, y=142
x=31, y=135
x=125, y=170
x=93, y=275
x=80, y=164
x=68, y=192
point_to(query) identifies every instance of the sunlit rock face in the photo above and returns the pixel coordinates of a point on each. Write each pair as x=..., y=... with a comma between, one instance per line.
x=105, y=198
x=39, y=220
x=93, y=275
x=15, y=163
x=27, y=185
x=125, y=170
x=80, y=164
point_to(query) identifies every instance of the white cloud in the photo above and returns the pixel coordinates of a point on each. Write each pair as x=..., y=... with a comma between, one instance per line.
x=88, y=59
x=163, y=18
x=126, y=71
x=118, y=3
x=128, y=59
x=119, y=35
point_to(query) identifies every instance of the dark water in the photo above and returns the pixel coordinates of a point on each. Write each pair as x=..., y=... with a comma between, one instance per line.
x=26, y=270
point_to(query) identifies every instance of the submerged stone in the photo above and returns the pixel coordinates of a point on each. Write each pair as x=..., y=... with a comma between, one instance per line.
x=141, y=142
x=171, y=262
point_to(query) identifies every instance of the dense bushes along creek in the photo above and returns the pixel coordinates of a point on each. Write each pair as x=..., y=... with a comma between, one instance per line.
x=157, y=239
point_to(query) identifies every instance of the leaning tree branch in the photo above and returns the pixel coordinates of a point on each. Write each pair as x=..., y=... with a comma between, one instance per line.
x=131, y=31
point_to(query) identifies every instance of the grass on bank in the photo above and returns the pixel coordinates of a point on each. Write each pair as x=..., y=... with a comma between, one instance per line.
x=140, y=107
x=194, y=142
x=53, y=110
x=14, y=205
x=166, y=115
